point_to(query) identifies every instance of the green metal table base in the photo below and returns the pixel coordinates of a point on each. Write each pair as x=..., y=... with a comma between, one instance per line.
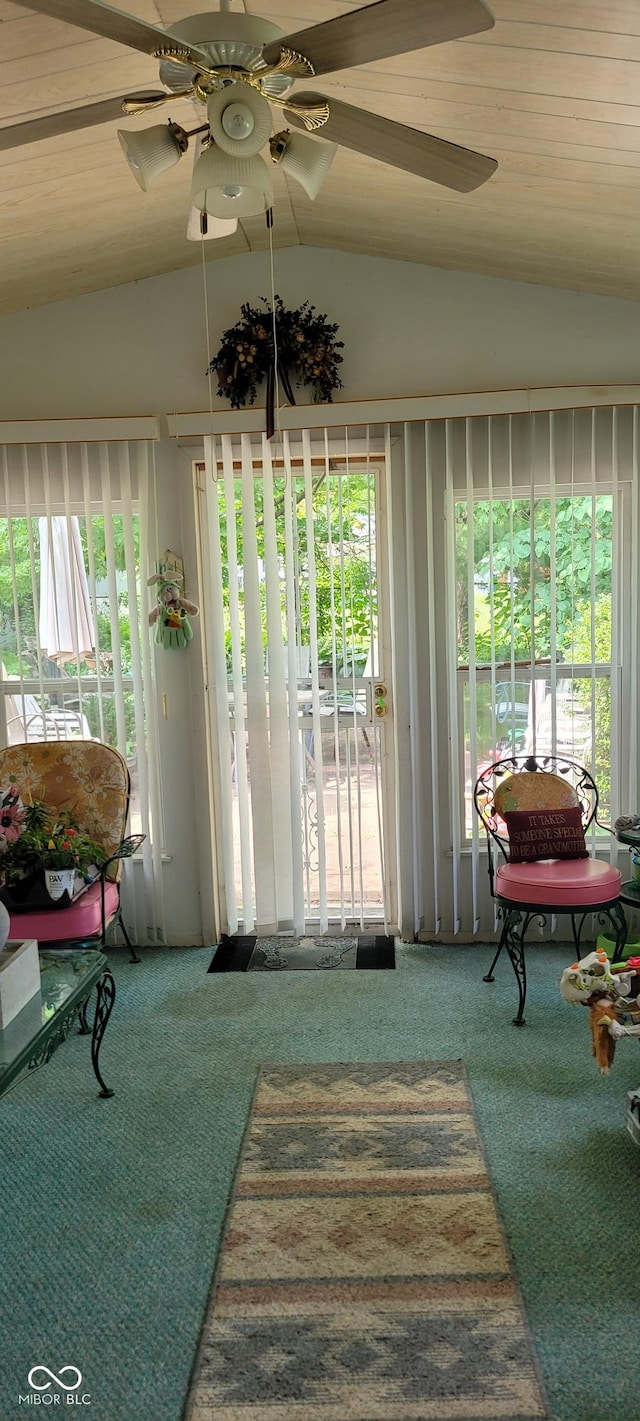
x=64, y=1020
x=24, y=1050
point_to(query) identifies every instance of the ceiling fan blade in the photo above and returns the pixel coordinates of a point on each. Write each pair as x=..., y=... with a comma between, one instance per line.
x=115, y=24
x=378, y=31
x=398, y=145
x=37, y=129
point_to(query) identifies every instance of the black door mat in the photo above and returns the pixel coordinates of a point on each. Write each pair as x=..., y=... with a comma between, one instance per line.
x=315, y=954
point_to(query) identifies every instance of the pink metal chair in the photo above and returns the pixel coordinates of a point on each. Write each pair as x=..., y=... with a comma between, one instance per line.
x=92, y=781
x=542, y=793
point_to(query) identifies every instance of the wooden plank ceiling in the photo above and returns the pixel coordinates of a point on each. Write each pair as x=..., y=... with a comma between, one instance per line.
x=553, y=92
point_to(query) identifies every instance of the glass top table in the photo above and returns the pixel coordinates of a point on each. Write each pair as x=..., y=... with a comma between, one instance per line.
x=68, y=977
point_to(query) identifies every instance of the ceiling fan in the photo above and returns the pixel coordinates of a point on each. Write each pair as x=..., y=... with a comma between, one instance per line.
x=238, y=66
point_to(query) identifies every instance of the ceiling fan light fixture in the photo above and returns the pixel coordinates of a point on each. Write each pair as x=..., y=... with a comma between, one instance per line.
x=230, y=187
x=229, y=39
x=239, y=119
x=307, y=160
x=200, y=226
x=215, y=226
x=152, y=150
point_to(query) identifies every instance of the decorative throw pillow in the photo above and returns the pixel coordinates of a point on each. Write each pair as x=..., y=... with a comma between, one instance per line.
x=534, y=789
x=545, y=834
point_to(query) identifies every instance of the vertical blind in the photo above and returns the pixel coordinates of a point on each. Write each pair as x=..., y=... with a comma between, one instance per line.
x=527, y=624
x=511, y=546
x=290, y=576
x=511, y=624
x=75, y=657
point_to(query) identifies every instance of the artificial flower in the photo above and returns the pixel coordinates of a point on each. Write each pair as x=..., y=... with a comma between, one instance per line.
x=307, y=353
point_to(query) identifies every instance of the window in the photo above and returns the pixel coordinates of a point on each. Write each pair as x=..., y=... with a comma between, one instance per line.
x=68, y=615
x=525, y=632
x=534, y=599
x=75, y=654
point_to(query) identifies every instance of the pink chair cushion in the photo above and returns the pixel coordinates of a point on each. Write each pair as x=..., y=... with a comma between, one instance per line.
x=559, y=883
x=65, y=924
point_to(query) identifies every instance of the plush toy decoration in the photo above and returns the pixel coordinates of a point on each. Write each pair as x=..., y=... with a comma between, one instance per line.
x=593, y=974
x=171, y=615
x=591, y=983
x=603, y=1043
x=606, y=1029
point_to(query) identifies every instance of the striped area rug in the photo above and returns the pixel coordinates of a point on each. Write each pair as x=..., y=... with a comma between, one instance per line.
x=364, y=1274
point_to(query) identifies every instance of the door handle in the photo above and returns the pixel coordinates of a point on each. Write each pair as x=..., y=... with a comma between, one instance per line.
x=380, y=702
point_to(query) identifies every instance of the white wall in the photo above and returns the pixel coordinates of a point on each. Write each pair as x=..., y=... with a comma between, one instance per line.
x=408, y=330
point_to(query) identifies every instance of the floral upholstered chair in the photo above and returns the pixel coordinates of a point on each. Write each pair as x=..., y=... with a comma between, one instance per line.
x=90, y=781
x=535, y=811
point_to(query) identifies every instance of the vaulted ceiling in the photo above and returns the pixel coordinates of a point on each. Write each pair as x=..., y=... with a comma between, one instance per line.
x=552, y=92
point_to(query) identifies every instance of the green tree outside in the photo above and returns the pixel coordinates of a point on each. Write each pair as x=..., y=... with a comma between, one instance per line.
x=512, y=613
x=343, y=531
x=513, y=547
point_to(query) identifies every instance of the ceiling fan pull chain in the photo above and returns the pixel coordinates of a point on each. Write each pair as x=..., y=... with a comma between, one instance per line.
x=273, y=377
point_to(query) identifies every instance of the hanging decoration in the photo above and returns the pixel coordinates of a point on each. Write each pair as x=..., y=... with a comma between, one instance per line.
x=172, y=613
x=307, y=354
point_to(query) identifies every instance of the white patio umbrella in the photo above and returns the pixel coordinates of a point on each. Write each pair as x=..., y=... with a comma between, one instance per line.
x=66, y=628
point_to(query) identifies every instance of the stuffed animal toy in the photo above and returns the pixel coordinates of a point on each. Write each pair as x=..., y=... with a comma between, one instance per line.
x=171, y=615
x=604, y=1031
x=591, y=983
x=593, y=974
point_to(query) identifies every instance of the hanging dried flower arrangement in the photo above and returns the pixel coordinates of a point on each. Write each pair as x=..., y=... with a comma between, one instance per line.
x=308, y=354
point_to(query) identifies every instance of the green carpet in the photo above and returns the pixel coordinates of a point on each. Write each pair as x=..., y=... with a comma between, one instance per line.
x=112, y=1210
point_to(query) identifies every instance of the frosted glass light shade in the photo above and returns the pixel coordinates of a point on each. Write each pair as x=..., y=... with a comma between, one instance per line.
x=308, y=160
x=216, y=227
x=150, y=152
x=223, y=186
x=239, y=119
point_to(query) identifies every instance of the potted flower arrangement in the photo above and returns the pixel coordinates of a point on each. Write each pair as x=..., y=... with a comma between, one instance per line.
x=39, y=845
